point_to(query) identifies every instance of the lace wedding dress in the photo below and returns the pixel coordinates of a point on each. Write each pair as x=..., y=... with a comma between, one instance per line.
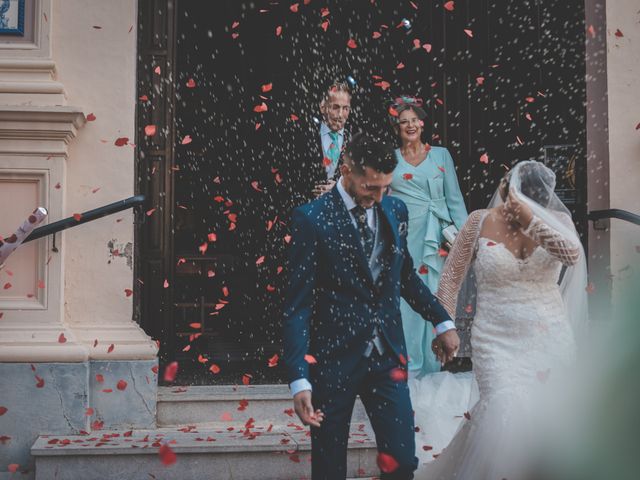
x=520, y=334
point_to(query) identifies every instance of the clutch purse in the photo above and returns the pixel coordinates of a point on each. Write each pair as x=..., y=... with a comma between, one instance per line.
x=450, y=233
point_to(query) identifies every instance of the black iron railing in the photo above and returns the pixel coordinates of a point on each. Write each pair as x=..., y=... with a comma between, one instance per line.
x=614, y=213
x=85, y=217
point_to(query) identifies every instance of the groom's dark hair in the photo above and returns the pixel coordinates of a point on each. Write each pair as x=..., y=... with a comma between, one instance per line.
x=366, y=151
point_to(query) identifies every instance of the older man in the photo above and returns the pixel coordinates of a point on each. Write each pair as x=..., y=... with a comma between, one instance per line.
x=335, y=108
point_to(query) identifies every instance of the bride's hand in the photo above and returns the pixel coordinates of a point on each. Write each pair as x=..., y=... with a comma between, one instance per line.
x=516, y=210
x=446, y=345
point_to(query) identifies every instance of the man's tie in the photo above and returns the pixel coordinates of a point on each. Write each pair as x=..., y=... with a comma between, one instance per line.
x=366, y=234
x=334, y=151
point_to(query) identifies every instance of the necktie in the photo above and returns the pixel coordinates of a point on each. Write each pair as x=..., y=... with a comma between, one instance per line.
x=366, y=234
x=334, y=151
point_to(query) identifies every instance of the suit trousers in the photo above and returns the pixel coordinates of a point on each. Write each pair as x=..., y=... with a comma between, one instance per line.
x=388, y=406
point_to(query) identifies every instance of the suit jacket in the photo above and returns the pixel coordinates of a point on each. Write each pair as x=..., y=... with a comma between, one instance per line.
x=306, y=168
x=332, y=303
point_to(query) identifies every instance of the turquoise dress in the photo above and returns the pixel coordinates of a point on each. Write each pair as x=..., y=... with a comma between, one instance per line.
x=434, y=201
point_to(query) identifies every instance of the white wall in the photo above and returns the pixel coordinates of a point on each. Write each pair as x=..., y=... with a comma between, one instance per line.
x=97, y=67
x=623, y=77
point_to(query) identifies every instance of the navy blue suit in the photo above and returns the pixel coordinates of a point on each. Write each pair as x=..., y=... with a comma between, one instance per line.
x=332, y=307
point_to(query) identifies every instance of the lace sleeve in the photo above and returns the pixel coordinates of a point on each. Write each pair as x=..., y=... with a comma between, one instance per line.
x=458, y=262
x=557, y=245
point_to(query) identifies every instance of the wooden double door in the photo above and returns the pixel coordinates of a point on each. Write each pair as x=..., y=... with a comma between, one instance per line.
x=497, y=77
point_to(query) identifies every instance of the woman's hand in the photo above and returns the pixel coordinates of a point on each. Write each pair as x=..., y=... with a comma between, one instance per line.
x=517, y=211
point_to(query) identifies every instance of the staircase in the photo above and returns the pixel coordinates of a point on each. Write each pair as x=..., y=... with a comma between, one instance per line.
x=216, y=432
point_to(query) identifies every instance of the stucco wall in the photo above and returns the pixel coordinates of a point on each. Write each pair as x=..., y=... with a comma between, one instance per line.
x=623, y=77
x=94, y=48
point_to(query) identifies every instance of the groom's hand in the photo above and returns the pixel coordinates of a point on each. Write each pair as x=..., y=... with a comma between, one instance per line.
x=304, y=409
x=446, y=345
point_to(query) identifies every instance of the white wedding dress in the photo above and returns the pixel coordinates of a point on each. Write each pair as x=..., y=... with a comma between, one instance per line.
x=520, y=336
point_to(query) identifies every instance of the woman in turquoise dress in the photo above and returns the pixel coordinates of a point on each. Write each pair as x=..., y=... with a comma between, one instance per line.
x=425, y=179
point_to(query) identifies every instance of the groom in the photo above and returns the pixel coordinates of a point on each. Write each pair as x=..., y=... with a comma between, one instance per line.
x=349, y=266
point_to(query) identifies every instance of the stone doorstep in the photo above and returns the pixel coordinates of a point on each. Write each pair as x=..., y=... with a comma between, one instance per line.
x=223, y=392
x=284, y=453
x=208, y=405
x=219, y=440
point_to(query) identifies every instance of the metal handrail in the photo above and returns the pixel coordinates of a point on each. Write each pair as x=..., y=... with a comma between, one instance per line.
x=596, y=215
x=85, y=217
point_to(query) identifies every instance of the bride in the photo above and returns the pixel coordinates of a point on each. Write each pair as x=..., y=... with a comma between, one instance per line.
x=529, y=266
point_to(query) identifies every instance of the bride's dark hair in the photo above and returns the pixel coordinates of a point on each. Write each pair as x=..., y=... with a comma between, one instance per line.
x=536, y=182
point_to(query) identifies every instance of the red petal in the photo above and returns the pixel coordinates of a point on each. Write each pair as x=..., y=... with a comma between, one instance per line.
x=99, y=378
x=267, y=87
x=3, y=410
x=449, y=6
x=77, y=216
x=387, y=463
x=121, y=141
x=407, y=176
x=91, y=117
x=150, y=130
x=261, y=108
x=260, y=260
x=398, y=375
x=128, y=292
x=186, y=140
x=170, y=372
x=214, y=368
x=325, y=25
x=426, y=448
x=377, y=34
x=310, y=359
x=423, y=270
x=195, y=325
x=191, y=83
x=246, y=379
x=393, y=112
x=273, y=361
x=278, y=30
x=122, y=385
x=468, y=32
x=167, y=456
x=400, y=66
x=111, y=347
x=479, y=80
x=352, y=43
x=294, y=7
x=39, y=382
x=484, y=158
x=62, y=338
x=618, y=33
x=13, y=467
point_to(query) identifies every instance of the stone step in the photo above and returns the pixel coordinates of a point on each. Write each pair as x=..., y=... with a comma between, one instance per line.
x=229, y=404
x=278, y=453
